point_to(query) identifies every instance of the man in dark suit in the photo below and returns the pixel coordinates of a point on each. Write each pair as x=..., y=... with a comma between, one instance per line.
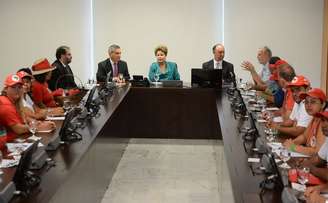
x=114, y=65
x=62, y=76
x=218, y=63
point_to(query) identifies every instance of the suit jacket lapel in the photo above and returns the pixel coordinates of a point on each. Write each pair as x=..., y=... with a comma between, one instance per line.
x=109, y=67
x=211, y=64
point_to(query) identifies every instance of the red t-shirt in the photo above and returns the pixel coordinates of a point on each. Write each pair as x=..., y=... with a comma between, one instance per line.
x=8, y=117
x=41, y=94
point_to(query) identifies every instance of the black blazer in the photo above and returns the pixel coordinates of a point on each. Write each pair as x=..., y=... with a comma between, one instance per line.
x=226, y=68
x=62, y=77
x=105, y=66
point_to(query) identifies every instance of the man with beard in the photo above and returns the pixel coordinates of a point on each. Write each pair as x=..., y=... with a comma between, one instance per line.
x=62, y=76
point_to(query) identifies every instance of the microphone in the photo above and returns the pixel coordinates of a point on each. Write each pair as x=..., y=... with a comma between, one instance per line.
x=108, y=76
x=233, y=78
x=66, y=75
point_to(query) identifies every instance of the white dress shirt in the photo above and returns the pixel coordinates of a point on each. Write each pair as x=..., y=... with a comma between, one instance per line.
x=217, y=64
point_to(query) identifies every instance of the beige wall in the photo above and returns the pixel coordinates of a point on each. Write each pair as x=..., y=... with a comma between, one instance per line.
x=35, y=28
x=188, y=27
x=291, y=28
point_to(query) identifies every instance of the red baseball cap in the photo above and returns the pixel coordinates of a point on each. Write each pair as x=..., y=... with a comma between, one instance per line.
x=323, y=114
x=315, y=93
x=278, y=63
x=23, y=74
x=299, y=80
x=274, y=76
x=12, y=80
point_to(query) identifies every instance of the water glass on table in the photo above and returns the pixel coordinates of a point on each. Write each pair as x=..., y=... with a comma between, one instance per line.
x=303, y=175
x=284, y=156
x=156, y=78
x=32, y=126
x=121, y=77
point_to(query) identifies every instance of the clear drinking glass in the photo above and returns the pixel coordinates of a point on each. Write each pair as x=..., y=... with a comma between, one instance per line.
x=66, y=105
x=32, y=128
x=303, y=175
x=285, y=156
x=121, y=77
x=156, y=78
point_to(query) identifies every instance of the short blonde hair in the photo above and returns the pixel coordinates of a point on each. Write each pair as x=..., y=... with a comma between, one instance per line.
x=161, y=48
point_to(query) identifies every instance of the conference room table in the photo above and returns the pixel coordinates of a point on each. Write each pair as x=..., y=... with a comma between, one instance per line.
x=84, y=169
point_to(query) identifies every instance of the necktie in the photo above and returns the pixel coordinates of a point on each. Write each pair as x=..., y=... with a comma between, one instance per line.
x=115, y=72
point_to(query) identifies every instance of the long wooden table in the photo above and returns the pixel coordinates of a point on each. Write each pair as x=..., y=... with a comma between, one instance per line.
x=245, y=184
x=84, y=169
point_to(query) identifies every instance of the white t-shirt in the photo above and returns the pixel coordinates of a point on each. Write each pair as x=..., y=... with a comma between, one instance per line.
x=300, y=115
x=323, y=152
x=28, y=102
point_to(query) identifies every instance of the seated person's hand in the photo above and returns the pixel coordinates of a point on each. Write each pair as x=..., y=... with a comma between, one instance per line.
x=315, y=197
x=57, y=111
x=248, y=66
x=288, y=143
x=41, y=114
x=58, y=92
x=46, y=125
x=118, y=80
x=276, y=113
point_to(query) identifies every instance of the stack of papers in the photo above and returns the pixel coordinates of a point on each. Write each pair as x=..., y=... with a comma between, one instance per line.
x=18, y=147
x=7, y=163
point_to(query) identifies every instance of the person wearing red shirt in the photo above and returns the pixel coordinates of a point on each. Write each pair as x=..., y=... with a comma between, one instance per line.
x=12, y=119
x=42, y=96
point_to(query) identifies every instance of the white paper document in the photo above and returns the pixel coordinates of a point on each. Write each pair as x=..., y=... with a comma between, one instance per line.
x=55, y=118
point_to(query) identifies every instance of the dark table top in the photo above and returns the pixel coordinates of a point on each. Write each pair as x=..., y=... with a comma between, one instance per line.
x=66, y=156
x=245, y=184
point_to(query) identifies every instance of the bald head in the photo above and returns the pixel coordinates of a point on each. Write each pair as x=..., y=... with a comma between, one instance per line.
x=264, y=54
x=218, y=52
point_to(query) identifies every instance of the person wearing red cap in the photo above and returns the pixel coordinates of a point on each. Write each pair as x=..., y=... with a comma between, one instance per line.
x=30, y=110
x=273, y=92
x=12, y=117
x=41, y=95
x=312, y=139
x=299, y=119
x=318, y=164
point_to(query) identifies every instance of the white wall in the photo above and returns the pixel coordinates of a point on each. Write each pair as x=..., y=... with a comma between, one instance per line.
x=291, y=28
x=188, y=27
x=34, y=29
